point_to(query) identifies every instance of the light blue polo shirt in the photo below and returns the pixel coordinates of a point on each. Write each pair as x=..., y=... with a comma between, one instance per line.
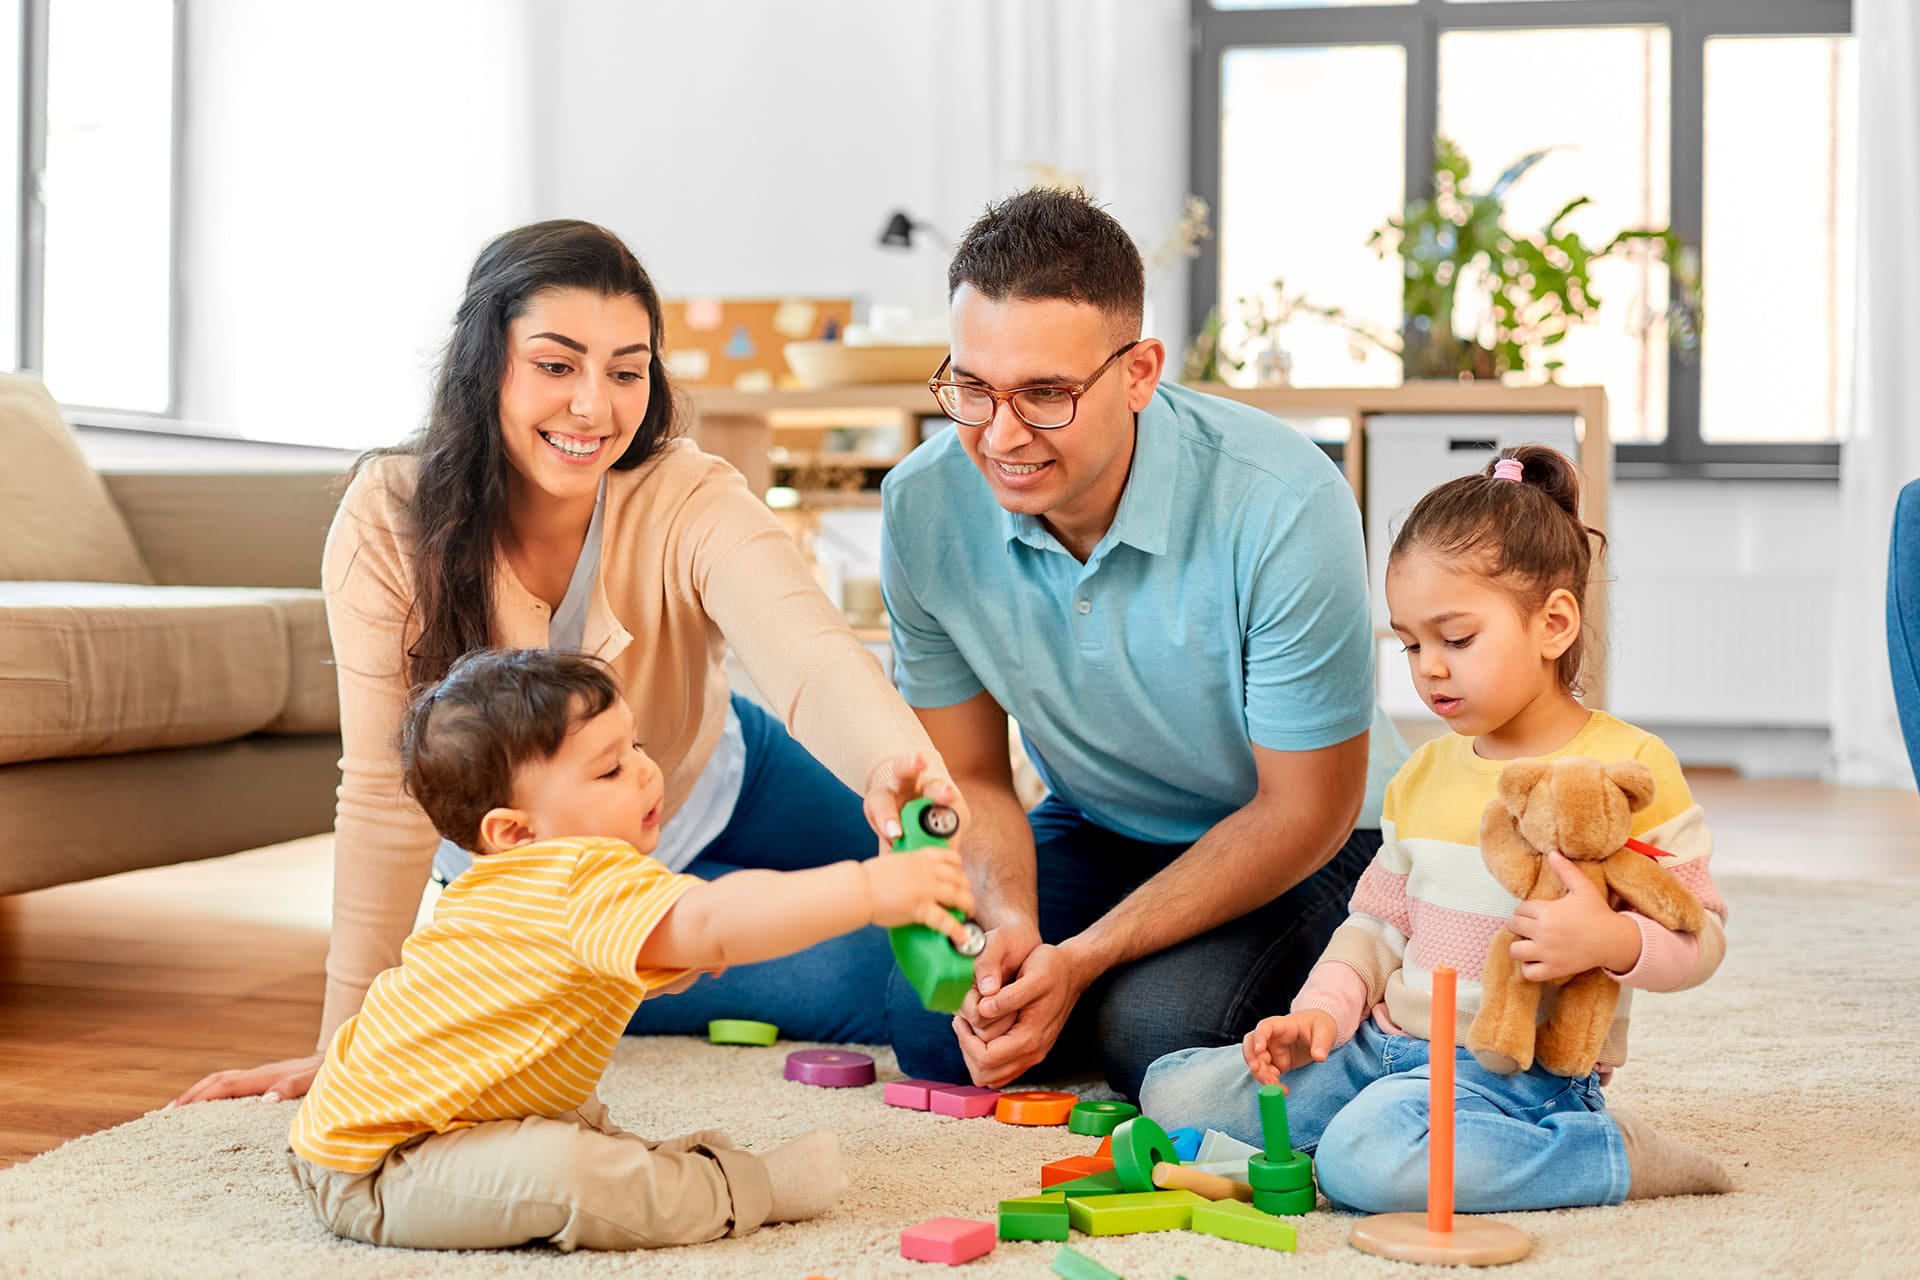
x=1226, y=606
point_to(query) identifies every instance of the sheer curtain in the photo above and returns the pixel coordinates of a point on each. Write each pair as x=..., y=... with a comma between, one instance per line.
x=1883, y=452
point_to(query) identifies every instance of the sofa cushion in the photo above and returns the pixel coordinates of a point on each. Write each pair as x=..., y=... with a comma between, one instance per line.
x=57, y=522
x=90, y=669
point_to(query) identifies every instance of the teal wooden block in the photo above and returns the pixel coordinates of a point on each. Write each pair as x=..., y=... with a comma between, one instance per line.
x=1070, y=1264
x=1041, y=1217
x=1244, y=1224
x=1134, y=1212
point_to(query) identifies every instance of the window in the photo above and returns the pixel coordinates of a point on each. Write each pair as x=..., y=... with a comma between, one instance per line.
x=94, y=278
x=1732, y=122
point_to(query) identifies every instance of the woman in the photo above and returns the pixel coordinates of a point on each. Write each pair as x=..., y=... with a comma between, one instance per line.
x=547, y=503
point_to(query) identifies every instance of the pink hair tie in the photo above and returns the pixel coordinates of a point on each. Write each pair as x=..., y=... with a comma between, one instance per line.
x=1509, y=469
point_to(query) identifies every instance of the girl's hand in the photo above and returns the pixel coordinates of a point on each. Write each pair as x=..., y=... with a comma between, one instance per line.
x=276, y=1082
x=912, y=779
x=916, y=888
x=1279, y=1044
x=1571, y=934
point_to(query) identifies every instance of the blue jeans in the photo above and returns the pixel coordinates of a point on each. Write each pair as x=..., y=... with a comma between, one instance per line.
x=1526, y=1141
x=792, y=814
x=1210, y=989
x=1903, y=617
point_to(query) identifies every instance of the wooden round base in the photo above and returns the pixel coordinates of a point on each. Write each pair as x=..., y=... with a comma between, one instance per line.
x=1473, y=1242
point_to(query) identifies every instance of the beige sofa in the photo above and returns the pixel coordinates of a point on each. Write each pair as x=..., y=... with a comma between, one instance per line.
x=166, y=691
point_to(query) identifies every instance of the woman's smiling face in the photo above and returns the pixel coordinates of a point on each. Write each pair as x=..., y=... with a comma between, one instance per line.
x=575, y=389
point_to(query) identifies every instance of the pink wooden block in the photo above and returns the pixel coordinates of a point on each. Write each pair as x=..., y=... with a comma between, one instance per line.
x=963, y=1100
x=911, y=1094
x=949, y=1240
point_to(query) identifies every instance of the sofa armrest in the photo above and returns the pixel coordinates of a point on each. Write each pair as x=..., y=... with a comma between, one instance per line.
x=229, y=528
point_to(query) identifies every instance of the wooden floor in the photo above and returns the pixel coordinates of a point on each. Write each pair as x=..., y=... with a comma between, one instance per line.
x=118, y=993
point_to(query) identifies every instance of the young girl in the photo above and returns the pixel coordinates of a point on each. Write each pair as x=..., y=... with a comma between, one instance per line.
x=1485, y=583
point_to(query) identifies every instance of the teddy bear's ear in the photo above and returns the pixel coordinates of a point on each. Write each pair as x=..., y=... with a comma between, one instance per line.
x=1517, y=782
x=1635, y=779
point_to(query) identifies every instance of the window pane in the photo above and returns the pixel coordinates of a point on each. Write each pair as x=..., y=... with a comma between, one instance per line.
x=9, y=191
x=109, y=193
x=1777, y=242
x=1298, y=199
x=1611, y=144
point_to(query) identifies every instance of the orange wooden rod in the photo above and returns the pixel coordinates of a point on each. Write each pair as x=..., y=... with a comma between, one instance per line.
x=1213, y=1186
x=1440, y=1104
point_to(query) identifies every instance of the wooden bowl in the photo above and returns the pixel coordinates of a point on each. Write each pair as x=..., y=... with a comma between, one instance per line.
x=835, y=364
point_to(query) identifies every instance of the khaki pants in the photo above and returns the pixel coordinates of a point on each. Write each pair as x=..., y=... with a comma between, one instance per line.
x=577, y=1181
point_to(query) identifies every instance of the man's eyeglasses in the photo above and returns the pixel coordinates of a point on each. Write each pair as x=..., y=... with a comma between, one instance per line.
x=1048, y=408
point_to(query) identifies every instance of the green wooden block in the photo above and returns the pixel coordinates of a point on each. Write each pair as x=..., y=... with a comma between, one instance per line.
x=1287, y=1203
x=1070, y=1264
x=1094, y=1184
x=741, y=1031
x=1243, y=1224
x=1041, y=1217
x=1273, y=1117
x=1098, y=1117
x=1290, y=1174
x=1134, y=1212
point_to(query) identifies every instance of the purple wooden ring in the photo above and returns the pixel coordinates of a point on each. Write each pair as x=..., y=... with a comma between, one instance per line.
x=829, y=1068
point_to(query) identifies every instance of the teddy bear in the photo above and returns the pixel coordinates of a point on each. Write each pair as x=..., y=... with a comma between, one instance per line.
x=1584, y=809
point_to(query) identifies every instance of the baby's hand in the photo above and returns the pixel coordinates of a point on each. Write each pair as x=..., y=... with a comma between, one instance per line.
x=916, y=888
x=1279, y=1044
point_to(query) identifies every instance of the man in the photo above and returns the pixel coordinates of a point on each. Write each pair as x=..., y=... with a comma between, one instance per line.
x=1167, y=591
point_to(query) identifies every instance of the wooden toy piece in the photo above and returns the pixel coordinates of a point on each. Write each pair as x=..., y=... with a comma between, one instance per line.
x=1210, y=1185
x=829, y=1068
x=911, y=1094
x=1099, y=1117
x=1244, y=1224
x=1289, y=1204
x=1072, y=1167
x=1134, y=1213
x=1436, y=1236
x=1034, y=1218
x=1106, y=1146
x=1138, y=1145
x=1273, y=1120
x=949, y=1240
x=742, y=1031
x=1094, y=1184
x=1071, y=1264
x=1187, y=1143
x=1290, y=1174
x=938, y=973
x=963, y=1100
x=1035, y=1107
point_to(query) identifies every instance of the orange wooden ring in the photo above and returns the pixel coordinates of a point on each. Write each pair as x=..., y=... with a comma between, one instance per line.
x=1035, y=1106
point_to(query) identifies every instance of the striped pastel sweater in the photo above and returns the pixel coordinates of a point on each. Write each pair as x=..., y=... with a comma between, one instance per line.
x=1427, y=899
x=507, y=1005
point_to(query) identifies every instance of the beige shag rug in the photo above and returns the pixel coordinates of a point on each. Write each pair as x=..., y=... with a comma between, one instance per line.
x=1799, y=1064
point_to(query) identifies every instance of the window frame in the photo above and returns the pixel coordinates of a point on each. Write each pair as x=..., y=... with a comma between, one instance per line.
x=1417, y=28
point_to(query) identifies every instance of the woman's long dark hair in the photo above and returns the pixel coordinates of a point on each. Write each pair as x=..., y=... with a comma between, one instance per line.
x=459, y=500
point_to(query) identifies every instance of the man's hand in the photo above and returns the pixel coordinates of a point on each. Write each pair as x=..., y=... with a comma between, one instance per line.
x=1569, y=935
x=1279, y=1044
x=912, y=779
x=1049, y=984
x=1007, y=949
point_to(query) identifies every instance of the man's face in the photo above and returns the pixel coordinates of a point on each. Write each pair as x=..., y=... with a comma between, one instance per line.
x=1075, y=474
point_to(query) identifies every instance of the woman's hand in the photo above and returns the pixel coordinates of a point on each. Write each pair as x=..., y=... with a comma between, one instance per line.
x=275, y=1082
x=911, y=779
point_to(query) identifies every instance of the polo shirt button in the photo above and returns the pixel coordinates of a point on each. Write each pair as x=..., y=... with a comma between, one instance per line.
x=1085, y=606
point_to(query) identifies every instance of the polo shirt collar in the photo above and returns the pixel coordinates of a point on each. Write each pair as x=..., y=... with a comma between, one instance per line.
x=1146, y=504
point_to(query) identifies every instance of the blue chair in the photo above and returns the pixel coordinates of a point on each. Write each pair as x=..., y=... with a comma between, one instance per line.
x=1903, y=616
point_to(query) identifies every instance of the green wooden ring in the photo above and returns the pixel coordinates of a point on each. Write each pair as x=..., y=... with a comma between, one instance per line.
x=1290, y=1174
x=741, y=1031
x=1098, y=1117
x=1284, y=1203
x=1138, y=1145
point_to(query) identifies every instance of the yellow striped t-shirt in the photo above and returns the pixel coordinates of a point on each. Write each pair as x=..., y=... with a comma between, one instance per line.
x=507, y=1005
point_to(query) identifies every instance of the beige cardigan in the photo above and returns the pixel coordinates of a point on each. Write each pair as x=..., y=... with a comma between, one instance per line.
x=690, y=562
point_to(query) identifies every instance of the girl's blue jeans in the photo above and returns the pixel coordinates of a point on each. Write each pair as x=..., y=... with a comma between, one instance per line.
x=1526, y=1141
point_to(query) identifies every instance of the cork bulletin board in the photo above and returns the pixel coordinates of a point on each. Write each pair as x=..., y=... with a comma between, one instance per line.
x=740, y=342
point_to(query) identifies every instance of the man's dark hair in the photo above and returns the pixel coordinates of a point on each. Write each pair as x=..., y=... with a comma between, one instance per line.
x=463, y=736
x=1051, y=243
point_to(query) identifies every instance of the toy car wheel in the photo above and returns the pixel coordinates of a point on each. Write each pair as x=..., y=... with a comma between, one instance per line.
x=939, y=821
x=976, y=939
